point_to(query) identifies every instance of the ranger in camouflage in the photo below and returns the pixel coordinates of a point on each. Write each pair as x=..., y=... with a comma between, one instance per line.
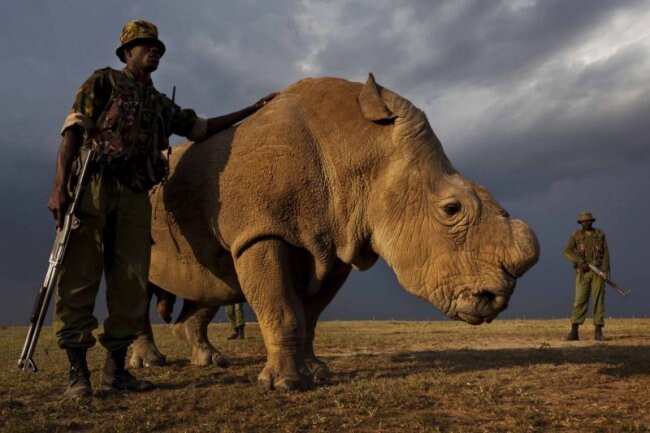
x=235, y=313
x=588, y=245
x=127, y=121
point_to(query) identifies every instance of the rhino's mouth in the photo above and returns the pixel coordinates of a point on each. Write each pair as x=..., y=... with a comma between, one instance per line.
x=480, y=305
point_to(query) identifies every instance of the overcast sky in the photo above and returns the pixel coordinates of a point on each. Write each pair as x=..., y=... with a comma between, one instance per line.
x=546, y=103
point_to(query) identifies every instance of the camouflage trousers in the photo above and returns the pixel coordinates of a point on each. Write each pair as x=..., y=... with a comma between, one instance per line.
x=114, y=239
x=588, y=284
x=235, y=314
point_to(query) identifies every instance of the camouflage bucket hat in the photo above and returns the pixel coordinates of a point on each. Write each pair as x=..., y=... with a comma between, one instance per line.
x=586, y=216
x=135, y=31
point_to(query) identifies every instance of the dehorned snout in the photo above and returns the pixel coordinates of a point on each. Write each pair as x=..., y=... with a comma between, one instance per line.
x=526, y=251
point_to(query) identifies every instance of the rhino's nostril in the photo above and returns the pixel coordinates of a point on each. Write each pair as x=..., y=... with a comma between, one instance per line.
x=487, y=296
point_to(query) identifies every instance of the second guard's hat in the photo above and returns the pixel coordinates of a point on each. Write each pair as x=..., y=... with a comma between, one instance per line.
x=586, y=216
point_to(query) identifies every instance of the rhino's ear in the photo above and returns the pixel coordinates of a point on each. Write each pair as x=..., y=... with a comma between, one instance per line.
x=372, y=105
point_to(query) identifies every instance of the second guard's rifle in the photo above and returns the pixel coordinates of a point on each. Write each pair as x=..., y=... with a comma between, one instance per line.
x=70, y=223
x=623, y=292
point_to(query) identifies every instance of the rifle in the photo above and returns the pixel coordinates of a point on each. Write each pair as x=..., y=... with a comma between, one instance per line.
x=623, y=292
x=44, y=295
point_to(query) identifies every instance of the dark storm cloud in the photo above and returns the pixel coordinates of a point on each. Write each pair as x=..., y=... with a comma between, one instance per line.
x=554, y=150
x=579, y=128
x=544, y=102
x=454, y=43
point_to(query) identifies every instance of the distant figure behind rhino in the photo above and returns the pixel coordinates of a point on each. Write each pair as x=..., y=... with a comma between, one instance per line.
x=326, y=178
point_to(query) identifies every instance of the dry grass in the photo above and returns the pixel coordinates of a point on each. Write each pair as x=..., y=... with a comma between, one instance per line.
x=510, y=376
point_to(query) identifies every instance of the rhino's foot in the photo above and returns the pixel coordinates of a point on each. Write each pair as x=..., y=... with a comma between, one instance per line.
x=285, y=373
x=320, y=372
x=203, y=353
x=145, y=353
x=207, y=355
x=178, y=331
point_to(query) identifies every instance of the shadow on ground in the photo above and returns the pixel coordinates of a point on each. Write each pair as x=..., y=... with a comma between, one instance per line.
x=623, y=361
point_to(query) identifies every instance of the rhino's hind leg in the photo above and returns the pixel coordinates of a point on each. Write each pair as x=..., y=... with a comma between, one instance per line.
x=192, y=327
x=145, y=352
x=313, y=307
x=267, y=274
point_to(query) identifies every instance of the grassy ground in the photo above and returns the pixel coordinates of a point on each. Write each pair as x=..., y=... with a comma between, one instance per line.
x=510, y=376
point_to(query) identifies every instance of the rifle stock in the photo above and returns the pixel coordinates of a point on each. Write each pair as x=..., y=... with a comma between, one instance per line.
x=623, y=292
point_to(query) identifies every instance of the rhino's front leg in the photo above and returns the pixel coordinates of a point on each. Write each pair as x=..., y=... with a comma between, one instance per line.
x=268, y=280
x=313, y=307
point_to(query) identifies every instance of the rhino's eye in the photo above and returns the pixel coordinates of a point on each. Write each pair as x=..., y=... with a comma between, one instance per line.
x=452, y=209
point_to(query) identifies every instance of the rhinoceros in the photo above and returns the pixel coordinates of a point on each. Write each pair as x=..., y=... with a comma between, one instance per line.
x=329, y=176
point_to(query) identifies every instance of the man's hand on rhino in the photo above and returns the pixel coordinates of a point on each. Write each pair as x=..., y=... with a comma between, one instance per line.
x=58, y=204
x=265, y=100
x=219, y=123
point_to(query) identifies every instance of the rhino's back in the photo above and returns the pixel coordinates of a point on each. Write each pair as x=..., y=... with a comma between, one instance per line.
x=187, y=256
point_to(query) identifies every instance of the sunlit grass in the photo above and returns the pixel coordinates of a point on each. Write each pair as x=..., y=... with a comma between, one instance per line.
x=510, y=376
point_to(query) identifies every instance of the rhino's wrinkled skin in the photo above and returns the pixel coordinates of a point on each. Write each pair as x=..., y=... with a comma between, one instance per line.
x=329, y=176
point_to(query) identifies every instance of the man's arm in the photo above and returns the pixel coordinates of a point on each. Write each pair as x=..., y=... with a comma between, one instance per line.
x=68, y=151
x=89, y=102
x=569, y=251
x=570, y=254
x=219, y=123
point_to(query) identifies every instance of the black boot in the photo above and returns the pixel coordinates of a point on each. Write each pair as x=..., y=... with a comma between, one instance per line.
x=79, y=386
x=234, y=335
x=573, y=335
x=116, y=378
x=241, y=332
x=598, y=333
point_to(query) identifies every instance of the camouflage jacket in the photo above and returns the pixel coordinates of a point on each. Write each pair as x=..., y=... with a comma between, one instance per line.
x=129, y=124
x=590, y=244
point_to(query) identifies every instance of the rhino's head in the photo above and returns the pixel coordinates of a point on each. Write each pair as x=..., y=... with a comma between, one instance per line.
x=445, y=237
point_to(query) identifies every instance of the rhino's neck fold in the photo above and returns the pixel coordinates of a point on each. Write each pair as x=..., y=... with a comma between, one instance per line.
x=400, y=209
x=399, y=224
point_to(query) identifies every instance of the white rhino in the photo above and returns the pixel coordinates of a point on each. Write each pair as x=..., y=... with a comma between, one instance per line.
x=327, y=177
